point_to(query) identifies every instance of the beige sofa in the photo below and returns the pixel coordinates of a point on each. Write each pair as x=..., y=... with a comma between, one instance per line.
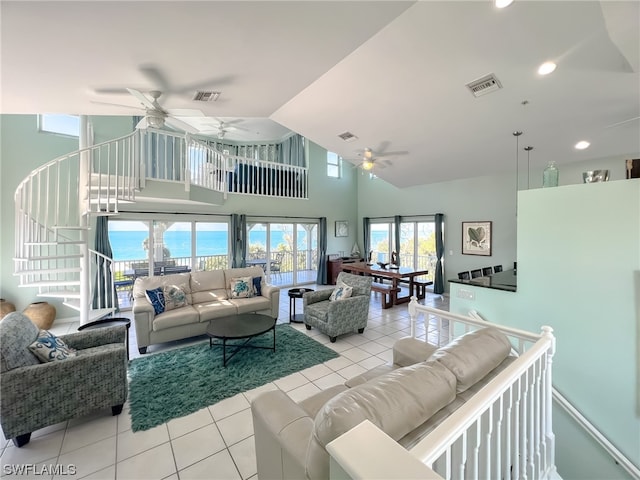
x=208, y=296
x=428, y=383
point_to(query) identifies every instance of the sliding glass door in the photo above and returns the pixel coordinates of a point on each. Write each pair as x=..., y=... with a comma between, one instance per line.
x=286, y=251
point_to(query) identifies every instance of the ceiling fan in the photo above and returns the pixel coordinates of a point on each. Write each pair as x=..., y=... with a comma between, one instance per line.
x=370, y=158
x=222, y=128
x=157, y=117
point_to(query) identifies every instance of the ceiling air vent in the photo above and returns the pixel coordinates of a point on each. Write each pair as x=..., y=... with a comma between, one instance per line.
x=204, y=96
x=348, y=137
x=482, y=86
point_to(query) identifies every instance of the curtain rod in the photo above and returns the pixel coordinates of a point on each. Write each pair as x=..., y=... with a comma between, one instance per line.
x=282, y=216
x=418, y=215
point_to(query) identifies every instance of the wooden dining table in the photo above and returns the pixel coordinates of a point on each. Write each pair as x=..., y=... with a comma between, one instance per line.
x=394, y=274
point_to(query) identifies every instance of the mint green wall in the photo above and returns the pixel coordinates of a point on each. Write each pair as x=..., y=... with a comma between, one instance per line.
x=24, y=149
x=476, y=199
x=579, y=271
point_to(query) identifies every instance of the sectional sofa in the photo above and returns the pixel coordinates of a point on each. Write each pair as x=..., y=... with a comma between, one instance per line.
x=428, y=383
x=206, y=296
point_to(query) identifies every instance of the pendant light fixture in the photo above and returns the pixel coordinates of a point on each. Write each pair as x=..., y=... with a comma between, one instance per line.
x=528, y=149
x=517, y=134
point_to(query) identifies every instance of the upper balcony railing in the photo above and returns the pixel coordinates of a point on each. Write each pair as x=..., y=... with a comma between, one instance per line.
x=177, y=157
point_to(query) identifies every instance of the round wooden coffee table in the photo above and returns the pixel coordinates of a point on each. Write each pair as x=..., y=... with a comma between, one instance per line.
x=237, y=327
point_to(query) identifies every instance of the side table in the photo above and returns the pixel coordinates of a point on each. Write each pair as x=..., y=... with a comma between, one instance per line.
x=293, y=294
x=109, y=322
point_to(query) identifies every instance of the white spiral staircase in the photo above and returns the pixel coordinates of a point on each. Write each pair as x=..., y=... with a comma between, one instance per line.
x=53, y=209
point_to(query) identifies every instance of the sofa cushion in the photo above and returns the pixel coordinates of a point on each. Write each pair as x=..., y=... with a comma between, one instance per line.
x=253, y=304
x=396, y=402
x=215, y=309
x=473, y=355
x=175, y=318
x=318, y=310
x=409, y=350
x=204, y=283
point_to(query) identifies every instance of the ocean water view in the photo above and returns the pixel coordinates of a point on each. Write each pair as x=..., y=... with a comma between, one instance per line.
x=127, y=245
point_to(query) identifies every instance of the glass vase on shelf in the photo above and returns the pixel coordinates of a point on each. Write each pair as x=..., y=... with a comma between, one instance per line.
x=550, y=175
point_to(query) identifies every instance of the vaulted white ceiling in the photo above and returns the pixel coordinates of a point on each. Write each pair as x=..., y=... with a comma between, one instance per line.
x=392, y=73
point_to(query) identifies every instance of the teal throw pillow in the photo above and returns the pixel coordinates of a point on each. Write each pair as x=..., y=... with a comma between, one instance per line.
x=174, y=297
x=156, y=297
x=241, y=287
x=49, y=348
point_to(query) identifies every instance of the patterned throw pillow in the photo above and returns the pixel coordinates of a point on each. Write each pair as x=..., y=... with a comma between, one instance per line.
x=174, y=297
x=49, y=348
x=257, y=286
x=241, y=287
x=341, y=292
x=156, y=297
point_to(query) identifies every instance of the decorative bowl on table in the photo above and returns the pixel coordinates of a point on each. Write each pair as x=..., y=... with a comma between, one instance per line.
x=382, y=264
x=594, y=176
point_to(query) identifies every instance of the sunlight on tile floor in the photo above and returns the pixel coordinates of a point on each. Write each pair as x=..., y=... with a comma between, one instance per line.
x=213, y=443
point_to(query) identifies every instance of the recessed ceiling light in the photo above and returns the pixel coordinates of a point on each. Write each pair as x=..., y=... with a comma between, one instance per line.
x=503, y=3
x=582, y=145
x=546, y=68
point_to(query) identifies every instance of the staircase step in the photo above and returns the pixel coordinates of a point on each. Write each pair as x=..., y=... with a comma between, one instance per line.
x=47, y=270
x=60, y=294
x=51, y=283
x=69, y=227
x=52, y=257
x=68, y=242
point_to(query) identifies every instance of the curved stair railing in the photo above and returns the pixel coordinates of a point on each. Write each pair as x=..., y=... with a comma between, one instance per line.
x=54, y=203
x=52, y=208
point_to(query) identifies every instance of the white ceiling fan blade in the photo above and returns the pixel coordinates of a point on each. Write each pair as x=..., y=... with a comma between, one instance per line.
x=180, y=125
x=156, y=77
x=142, y=99
x=185, y=112
x=136, y=107
x=622, y=122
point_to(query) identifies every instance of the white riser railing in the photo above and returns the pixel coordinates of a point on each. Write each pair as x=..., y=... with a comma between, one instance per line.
x=176, y=157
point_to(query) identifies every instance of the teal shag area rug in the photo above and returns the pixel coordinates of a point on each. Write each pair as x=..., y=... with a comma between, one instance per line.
x=176, y=383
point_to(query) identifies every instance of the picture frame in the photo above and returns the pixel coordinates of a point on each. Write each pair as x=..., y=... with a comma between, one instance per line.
x=476, y=238
x=342, y=228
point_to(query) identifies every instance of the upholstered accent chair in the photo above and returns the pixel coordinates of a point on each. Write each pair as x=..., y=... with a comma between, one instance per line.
x=339, y=316
x=34, y=395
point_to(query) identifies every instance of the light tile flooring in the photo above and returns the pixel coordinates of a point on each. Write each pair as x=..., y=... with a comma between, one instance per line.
x=215, y=442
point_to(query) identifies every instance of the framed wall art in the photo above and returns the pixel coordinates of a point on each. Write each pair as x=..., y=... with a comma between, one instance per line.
x=342, y=228
x=476, y=238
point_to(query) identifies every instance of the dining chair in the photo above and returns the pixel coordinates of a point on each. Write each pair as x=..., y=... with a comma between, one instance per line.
x=486, y=271
x=464, y=276
x=497, y=268
x=476, y=273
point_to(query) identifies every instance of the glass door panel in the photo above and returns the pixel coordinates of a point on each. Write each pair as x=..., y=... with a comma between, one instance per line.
x=426, y=252
x=281, y=243
x=380, y=242
x=306, y=267
x=407, y=245
x=212, y=246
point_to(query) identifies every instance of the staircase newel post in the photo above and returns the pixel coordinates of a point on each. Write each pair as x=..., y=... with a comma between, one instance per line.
x=84, y=209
